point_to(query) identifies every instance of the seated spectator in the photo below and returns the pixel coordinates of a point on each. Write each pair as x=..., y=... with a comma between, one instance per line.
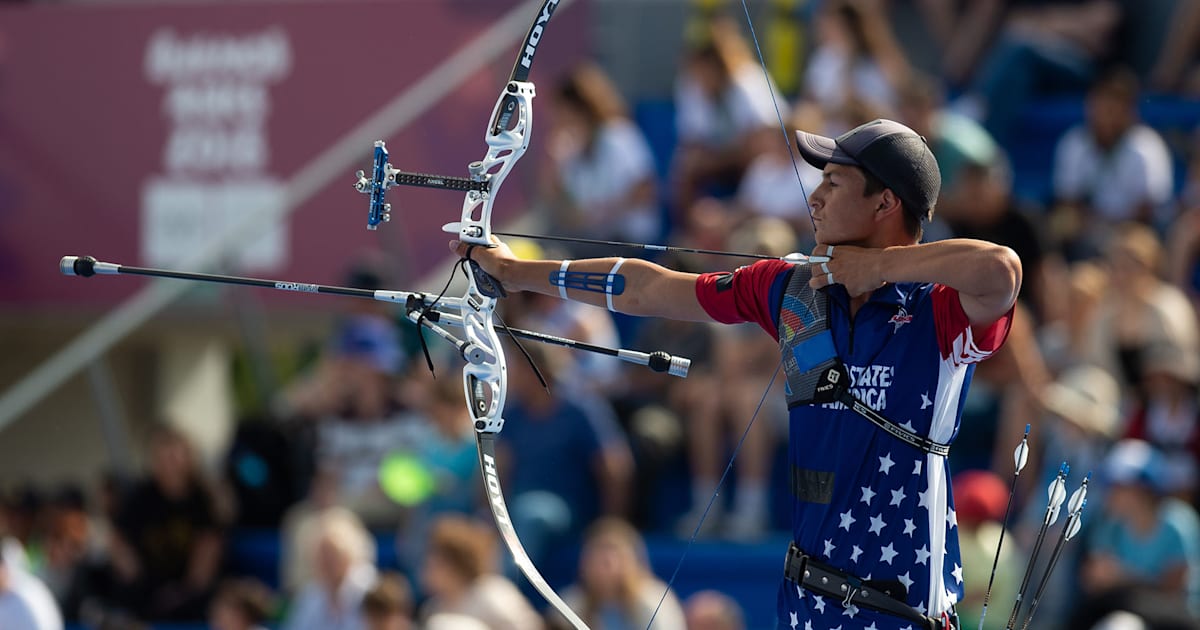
x=771, y=187
x=1184, y=253
x=389, y=604
x=342, y=554
x=712, y=610
x=564, y=455
x=1169, y=418
x=1043, y=48
x=603, y=182
x=1112, y=168
x=956, y=141
x=295, y=563
x=1144, y=538
x=168, y=539
x=244, y=604
x=856, y=57
x=722, y=99
x=25, y=602
x=616, y=588
x=1139, y=310
x=460, y=578
x=76, y=553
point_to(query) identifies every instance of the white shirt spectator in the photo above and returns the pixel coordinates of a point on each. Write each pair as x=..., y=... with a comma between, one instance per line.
x=599, y=181
x=747, y=104
x=25, y=602
x=1138, y=170
x=313, y=609
x=832, y=79
x=770, y=188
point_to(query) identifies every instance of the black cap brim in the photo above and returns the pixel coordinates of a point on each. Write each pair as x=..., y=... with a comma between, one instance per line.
x=820, y=150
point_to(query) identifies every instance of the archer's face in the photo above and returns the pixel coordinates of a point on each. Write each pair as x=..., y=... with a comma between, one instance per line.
x=842, y=214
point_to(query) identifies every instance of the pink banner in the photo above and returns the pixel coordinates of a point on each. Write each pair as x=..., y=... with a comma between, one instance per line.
x=133, y=133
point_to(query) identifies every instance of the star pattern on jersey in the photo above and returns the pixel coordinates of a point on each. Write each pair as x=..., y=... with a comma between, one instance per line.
x=905, y=580
x=920, y=608
x=886, y=554
x=855, y=552
x=925, y=499
x=923, y=555
x=795, y=620
x=867, y=494
x=925, y=402
x=808, y=625
x=952, y=518
x=898, y=496
x=917, y=467
x=886, y=463
x=907, y=425
x=850, y=611
x=829, y=547
x=819, y=604
x=957, y=573
x=909, y=527
x=871, y=627
x=877, y=525
x=847, y=519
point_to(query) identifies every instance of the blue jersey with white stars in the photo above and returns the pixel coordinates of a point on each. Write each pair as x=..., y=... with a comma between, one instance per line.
x=866, y=502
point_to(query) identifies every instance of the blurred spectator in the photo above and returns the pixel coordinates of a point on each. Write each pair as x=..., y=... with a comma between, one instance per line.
x=1139, y=310
x=1145, y=538
x=719, y=417
x=856, y=57
x=603, y=185
x=295, y=563
x=583, y=372
x=771, y=187
x=460, y=578
x=956, y=140
x=565, y=458
x=722, y=99
x=979, y=500
x=242, y=604
x=616, y=589
x=169, y=538
x=1169, y=417
x=979, y=205
x=713, y=610
x=1177, y=69
x=389, y=604
x=962, y=31
x=1043, y=47
x=20, y=507
x=25, y=602
x=76, y=565
x=445, y=450
x=342, y=554
x=1112, y=168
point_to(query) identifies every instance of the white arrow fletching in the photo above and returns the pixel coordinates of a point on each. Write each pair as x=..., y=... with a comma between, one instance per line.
x=1021, y=455
x=1077, y=499
x=1073, y=525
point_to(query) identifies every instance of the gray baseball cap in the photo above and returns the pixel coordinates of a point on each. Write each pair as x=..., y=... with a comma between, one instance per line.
x=893, y=153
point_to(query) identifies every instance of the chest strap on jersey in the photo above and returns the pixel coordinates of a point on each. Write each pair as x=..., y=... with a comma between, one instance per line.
x=822, y=579
x=834, y=387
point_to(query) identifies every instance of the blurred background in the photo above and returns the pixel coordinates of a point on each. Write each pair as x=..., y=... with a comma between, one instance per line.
x=175, y=455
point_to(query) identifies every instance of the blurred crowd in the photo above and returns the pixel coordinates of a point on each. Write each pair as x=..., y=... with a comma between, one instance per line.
x=366, y=465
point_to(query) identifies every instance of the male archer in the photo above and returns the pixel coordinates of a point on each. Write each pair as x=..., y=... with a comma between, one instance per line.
x=878, y=345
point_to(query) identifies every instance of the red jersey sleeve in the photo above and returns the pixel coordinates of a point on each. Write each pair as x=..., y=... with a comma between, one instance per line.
x=957, y=339
x=743, y=295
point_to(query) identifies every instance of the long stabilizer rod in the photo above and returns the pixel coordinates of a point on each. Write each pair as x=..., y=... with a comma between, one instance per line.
x=86, y=267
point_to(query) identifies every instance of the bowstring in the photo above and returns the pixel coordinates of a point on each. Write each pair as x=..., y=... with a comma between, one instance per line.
x=812, y=302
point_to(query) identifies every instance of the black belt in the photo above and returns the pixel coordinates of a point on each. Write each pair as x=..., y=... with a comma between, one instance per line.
x=823, y=579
